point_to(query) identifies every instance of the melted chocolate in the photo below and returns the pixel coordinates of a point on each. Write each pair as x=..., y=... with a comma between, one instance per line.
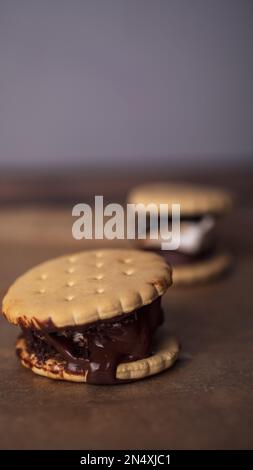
x=177, y=258
x=183, y=218
x=98, y=348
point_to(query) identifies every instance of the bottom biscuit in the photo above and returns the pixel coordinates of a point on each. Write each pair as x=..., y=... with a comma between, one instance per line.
x=126, y=372
x=202, y=271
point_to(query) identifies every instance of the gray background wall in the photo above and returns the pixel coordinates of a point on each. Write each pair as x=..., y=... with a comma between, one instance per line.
x=92, y=80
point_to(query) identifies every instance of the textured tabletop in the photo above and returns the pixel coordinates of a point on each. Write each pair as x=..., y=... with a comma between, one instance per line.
x=205, y=401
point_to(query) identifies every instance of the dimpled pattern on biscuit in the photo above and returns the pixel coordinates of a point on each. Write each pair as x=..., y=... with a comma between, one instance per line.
x=86, y=287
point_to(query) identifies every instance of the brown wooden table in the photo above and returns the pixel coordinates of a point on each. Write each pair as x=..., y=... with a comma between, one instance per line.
x=205, y=401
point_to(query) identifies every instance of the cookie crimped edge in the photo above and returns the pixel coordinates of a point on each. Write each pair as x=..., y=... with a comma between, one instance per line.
x=163, y=359
x=159, y=284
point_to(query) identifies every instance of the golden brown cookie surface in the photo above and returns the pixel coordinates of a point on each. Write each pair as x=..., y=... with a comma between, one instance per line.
x=86, y=287
x=193, y=199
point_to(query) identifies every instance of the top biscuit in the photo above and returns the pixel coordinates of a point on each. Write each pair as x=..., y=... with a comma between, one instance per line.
x=193, y=199
x=86, y=287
